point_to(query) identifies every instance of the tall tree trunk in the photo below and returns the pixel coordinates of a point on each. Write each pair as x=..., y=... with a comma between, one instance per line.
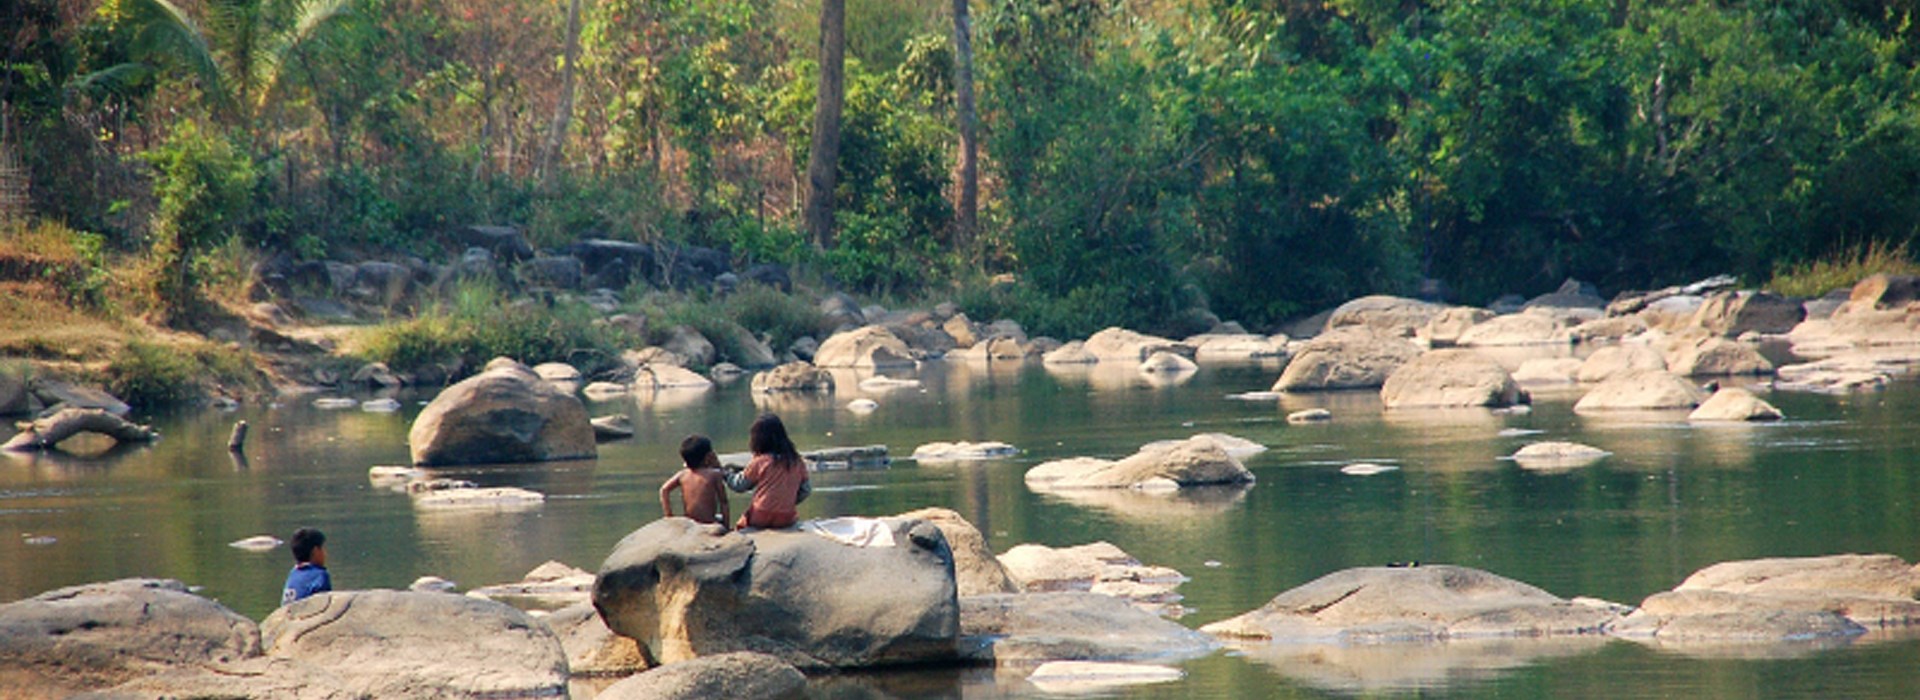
x=562, y=112
x=824, y=158
x=967, y=201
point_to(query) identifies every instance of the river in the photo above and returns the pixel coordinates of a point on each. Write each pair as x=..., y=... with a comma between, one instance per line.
x=1842, y=474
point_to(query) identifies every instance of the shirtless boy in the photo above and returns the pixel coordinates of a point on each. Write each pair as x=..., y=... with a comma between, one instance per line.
x=702, y=484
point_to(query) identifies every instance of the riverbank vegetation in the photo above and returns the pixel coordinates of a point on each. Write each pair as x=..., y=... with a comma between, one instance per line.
x=1135, y=160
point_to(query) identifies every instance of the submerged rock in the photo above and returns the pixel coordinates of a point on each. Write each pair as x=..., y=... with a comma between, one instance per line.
x=1558, y=455
x=685, y=590
x=1196, y=461
x=614, y=427
x=963, y=451
x=1309, y=415
x=1167, y=363
x=1096, y=676
x=799, y=376
x=1412, y=604
x=1734, y=404
x=504, y=414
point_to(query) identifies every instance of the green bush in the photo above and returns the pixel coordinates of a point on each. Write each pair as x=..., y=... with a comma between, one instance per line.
x=784, y=318
x=151, y=374
x=205, y=186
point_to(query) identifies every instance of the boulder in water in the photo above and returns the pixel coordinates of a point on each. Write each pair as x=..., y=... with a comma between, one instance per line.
x=1773, y=600
x=98, y=635
x=1412, y=604
x=505, y=414
x=403, y=644
x=1641, y=390
x=1734, y=404
x=1349, y=358
x=869, y=347
x=1196, y=461
x=1451, y=378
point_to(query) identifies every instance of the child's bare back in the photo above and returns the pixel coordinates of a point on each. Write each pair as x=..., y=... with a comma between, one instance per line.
x=702, y=485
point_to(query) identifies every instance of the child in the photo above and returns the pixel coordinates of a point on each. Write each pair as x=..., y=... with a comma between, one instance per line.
x=702, y=494
x=776, y=475
x=309, y=574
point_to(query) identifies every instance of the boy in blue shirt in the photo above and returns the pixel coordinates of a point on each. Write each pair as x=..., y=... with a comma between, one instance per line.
x=309, y=574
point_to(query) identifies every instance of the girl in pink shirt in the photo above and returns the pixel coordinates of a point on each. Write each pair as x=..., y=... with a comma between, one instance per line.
x=776, y=475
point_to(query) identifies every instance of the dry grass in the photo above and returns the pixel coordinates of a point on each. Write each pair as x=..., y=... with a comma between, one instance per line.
x=1842, y=271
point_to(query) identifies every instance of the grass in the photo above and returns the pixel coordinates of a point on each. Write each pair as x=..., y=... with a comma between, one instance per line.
x=147, y=373
x=752, y=309
x=477, y=323
x=1841, y=271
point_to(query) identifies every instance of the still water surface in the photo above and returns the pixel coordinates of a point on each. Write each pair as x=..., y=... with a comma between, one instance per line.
x=1839, y=476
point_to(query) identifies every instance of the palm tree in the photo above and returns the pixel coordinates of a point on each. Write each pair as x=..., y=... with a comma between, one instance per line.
x=239, y=57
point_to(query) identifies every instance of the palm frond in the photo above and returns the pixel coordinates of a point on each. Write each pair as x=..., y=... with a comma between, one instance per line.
x=312, y=18
x=164, y=34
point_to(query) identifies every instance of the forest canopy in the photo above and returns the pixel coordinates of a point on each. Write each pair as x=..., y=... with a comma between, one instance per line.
x=1262, y=158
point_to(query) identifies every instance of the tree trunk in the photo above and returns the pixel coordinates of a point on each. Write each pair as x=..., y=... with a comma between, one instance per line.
x=824, y=159
x=562, y=112
x=967, y=190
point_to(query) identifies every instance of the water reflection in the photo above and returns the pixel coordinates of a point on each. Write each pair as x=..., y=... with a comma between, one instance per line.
x=1403, y=667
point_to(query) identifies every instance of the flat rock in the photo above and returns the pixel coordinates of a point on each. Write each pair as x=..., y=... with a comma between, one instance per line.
x=963, y=451
x=1196, y=461
x=1558, y=455
x=1028, y=629
x=1412, y=604
x=1607, y=330
x=614, y=427
x=1038, y=568
x=1771, y=600
x=1734, y=404
x=1309, y=415
x=1730, y=314
x=1237, y=346
x=402, y=644
x=1167, y=363
x=1644, y=390
x=657, y=377
x=1236, y=446
x=1072, y=353
x=1451, y=378
x=1097, y=676
x=740, y=675
x=98, y=635
x=550, y=586
x=500, y=497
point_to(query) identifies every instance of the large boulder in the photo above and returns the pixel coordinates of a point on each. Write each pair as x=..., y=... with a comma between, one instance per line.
x=1072, y=353
x=405, y=644
x=98, y=635
x=1122, y=345
x=15, y=399
x=742, y=675
x=688, y=343
x=1413, y=604
x=1099, y=567
x=975, y=569
x=838, y=310
x=1197, y=461
x=659, y=376
x=1641, y=390
x=1881, y=310
x=1451, y=378
x=1732, y=314
x=504, y=414
x=1715, y=357
x=1572, y=294
x=562, y=272
x=1385, y=315
x=1031, y=628
x=1349, y=358
x=1446, y=327
x=793, y=376
x=1771, y=600
x=1613, y=360
x=1531, y=327
x=867, y=347
x=685, y=590
x=55, y=393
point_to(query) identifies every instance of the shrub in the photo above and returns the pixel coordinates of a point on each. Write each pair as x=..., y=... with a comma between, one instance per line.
x=144, y=373
x=479, y=324
x=205, y=187
x=784, y=318
x=1842, y=270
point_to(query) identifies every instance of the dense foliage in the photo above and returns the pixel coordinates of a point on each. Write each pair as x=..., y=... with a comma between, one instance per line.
x=1140, y=159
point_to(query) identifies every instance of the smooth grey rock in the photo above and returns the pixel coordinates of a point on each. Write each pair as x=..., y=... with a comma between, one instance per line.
x=1771, y=600
x=1193, y=462
x=98, y=635
x=685, y=590
x=1412, y=604
x=868, y=347
x=740, y=675
x=975, y=569
x=1451, y=378
x=402, y=644
x=1349, y=358
x=690, y=344
x=504, y=414
x=1383, y=315
x=1028, y=629
x=1734, y=404
x=1641, y=390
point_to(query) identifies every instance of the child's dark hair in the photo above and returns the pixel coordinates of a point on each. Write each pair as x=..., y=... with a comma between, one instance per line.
x=694, y=450
x=768, y=436
x=304, y=541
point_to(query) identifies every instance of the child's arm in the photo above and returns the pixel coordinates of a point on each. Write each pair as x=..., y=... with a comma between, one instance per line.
x=666, y=506
x=720, y=502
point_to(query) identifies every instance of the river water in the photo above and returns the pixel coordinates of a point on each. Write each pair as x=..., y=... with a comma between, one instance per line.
x=1842, y=474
